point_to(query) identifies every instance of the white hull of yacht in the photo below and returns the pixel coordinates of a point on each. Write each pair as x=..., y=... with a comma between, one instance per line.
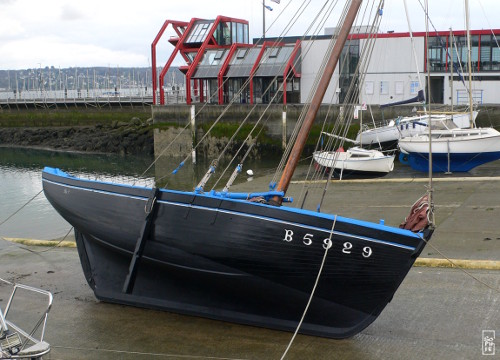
x=357, y=160
x=387, y=136
x=452, y=150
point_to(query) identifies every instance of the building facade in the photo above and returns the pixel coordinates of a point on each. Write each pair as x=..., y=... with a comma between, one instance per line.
x=222, y=66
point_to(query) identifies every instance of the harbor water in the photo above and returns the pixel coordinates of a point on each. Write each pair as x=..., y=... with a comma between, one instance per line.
x=21, y=181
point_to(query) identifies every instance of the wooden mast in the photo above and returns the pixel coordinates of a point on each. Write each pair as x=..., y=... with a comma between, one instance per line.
x=317, y=99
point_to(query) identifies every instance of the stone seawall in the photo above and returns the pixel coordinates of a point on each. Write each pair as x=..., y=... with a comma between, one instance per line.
x=277, y=122
x=128, y=131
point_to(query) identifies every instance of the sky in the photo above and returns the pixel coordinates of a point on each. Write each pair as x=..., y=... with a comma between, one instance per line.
x=68, y=33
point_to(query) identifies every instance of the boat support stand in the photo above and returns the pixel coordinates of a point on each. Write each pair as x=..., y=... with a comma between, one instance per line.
x=150, y=209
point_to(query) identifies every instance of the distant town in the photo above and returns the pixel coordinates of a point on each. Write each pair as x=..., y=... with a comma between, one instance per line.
x=82, y=79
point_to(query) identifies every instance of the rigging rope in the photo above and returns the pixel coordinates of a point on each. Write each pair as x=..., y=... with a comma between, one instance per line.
x=22, y=207
x=351, y=97
x=215, y=94
x=211, y=171
x=311, y=94
x=313, y=289
x=461, y=268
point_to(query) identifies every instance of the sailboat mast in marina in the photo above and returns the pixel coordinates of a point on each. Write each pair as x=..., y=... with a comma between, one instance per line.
x=318, y=97
x=453, y=149
x=239, y=257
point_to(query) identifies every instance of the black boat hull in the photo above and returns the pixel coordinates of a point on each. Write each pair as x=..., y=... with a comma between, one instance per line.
x=234, y=260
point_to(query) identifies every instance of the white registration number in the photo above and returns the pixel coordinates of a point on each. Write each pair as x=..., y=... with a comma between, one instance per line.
x=347, y=247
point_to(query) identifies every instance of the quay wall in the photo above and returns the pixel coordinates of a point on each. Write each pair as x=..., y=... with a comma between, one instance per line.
x=148, y=130
x=278, y=121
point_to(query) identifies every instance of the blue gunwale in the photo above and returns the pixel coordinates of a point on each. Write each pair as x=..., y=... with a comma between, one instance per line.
x=241, y=197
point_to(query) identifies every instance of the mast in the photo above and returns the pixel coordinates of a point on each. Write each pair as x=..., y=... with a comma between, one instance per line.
x=412, y=40
x=317, y=99
x=263, y=19
x=451, y=71
x=469, y=62
x=430, y=189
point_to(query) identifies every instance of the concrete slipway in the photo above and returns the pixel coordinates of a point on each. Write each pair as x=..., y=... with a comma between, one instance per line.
x=437, y=313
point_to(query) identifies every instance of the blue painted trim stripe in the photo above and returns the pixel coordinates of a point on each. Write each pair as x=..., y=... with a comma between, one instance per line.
x=266, y=218
x=316, y=214
x=259, y=217
x=110, y=193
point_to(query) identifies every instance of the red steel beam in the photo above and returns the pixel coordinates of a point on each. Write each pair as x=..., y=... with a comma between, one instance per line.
x=203, y=47
x=289, y=66
x=177, y=25
x=257, y=63
x=223, y=69
x=178, y=47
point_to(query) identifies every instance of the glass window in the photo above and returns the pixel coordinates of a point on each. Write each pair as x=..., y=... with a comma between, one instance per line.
x=245, y=34
x=224, y=34
x=218, y=54
x=495, y=58
x=474, y=43
x=240, y=54
x=485, y=52
x=437, y=54
x=399, y=88
x=234, y=32
x=414, y=86
x=199, y=33
x=460, y=53
x=274, y=52
x=369, y=87
x=240, y=37
x=384, y=88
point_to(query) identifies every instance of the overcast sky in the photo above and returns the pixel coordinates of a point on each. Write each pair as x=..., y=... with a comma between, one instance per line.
x=64, y=33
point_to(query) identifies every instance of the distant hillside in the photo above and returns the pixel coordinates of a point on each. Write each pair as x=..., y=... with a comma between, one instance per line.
x=51, y=78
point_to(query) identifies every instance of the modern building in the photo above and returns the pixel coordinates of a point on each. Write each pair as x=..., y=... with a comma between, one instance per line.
x=222, y=65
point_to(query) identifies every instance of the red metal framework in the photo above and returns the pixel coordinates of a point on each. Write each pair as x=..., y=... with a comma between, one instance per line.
x=257, y=62
x=183, y=30
x=193, y=53
x=290, y=66
x=223, y=69
x=179, y=28
x=209, y=40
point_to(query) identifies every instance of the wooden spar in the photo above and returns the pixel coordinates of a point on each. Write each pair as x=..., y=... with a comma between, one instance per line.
x=340, y=137
x=294, y=157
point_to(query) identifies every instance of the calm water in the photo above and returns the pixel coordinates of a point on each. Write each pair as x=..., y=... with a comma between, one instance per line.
x=21, y=180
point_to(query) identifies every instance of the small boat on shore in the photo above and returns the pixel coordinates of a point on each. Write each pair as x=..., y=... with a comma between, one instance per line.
x=355, y=161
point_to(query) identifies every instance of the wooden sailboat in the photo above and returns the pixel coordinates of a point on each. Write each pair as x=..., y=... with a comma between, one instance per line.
x=223, y=256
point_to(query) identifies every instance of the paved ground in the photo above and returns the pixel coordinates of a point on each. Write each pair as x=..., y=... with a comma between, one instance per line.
x=435, y=314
